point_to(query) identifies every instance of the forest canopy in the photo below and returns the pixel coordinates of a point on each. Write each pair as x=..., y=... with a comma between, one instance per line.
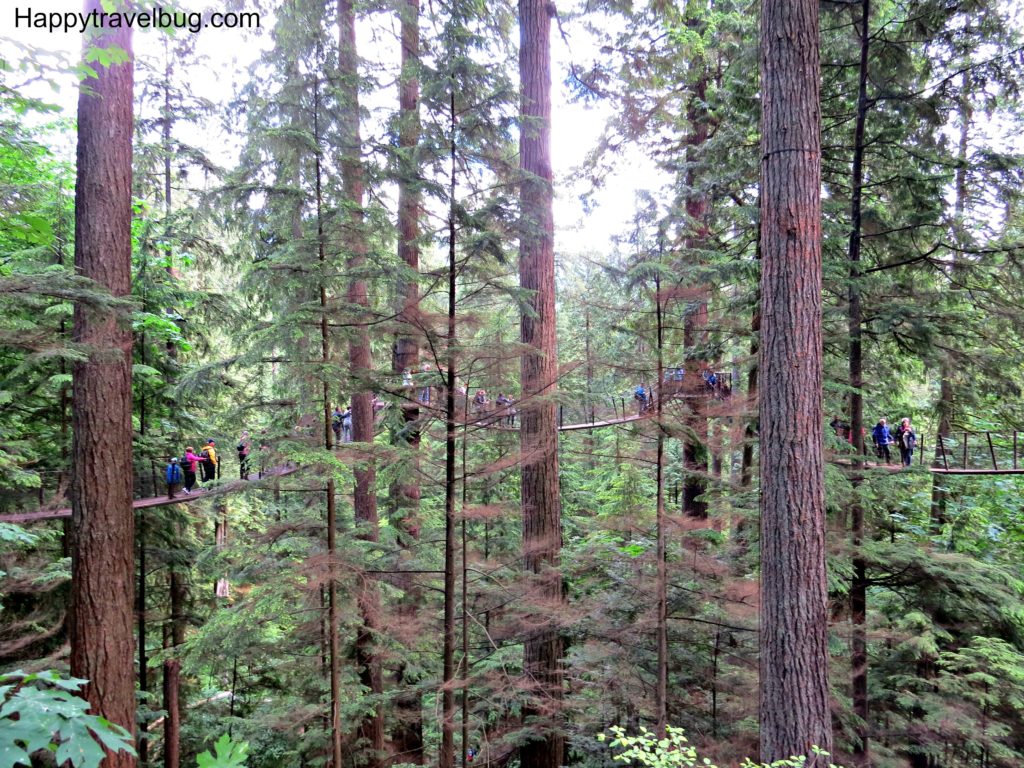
x=443, y=383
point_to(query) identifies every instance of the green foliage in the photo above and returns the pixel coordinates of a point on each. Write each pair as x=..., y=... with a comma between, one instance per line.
x=226, y=754
x=674, y=751
x=41, y=712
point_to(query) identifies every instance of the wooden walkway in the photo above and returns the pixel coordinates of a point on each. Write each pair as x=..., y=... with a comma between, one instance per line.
x=482, y=422
x=847, y=463
x=232, y=486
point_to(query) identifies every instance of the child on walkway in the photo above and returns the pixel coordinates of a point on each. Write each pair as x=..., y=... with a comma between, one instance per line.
x=173, y=476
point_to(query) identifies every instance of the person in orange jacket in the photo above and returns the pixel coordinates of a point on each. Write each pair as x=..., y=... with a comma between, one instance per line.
x=209, y=457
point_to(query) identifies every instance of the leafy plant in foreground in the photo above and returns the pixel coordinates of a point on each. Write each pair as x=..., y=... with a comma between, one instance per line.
x=674, y=751
x=42, y=712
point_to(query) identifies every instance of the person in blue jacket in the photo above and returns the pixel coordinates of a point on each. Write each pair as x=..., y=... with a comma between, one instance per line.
x=881, y=438
x=173, y=475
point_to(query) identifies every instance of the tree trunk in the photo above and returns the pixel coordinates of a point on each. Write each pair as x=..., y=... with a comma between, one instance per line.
x=361, y=367
x=172, y=721
x=750, y=431
x=859, y=584
x=794, y=698
x=541, y=503
x=695, y=334
x=101, y=492
x=407, y=736
x=945, y=406
x=447, y=756
x=661, y=687
x=143, y=740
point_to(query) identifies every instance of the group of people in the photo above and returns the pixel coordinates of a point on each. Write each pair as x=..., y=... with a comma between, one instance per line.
x=482, y=405
x=719, y=387
x=902, y=437
x=205, y=466
x=192, y=465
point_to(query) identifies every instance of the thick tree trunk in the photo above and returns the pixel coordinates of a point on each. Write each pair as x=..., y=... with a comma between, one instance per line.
x=361, y=367
x=172, y=721
x=101, y=492
x=541, y=503
x=794, y=699
x=407, y=736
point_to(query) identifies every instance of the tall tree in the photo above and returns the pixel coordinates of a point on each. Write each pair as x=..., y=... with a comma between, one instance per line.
x=794, y=699
x=101, y=492
x=541, y=503
x=360, y=362
x=405, y=492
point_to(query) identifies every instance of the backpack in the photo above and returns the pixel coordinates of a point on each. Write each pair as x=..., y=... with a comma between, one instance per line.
x=205, y=453
x=185, y=464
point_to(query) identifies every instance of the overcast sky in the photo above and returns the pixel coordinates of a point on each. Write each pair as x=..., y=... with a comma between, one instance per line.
x=575, y=129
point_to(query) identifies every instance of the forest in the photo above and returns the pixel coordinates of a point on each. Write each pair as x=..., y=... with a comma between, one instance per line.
x=329, y=437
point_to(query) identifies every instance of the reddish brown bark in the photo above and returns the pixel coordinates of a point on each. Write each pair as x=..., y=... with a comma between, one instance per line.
x=541, y=503
x=361, y=365
x=103, y=528
x=794, y=701
x=407, y=735
x=172, y=721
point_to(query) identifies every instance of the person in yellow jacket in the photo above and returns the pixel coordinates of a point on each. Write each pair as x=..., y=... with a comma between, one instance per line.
x=209, y=456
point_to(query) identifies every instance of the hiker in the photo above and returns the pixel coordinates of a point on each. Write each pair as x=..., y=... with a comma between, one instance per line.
x=377, y=405
x=506, y=412
x=641, y=395
x=346, y=425
x=406, y=379
x=189, y=465
x=842, y=429
x=173, y=475
x=424, y=392
x=243, y=456
x=480, y=401
x=907, y=442
x=882, y=440
x=209, y=461
x=336, y=419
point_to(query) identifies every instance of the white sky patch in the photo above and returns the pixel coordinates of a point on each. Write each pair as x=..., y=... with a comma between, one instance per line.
x=228, y=53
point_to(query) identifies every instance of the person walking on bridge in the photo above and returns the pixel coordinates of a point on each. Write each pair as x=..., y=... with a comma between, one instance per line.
x=882, y=439
x=189, y=465
x=173, y=476
x=907, y=442
x=209, y=456
x=243, y=456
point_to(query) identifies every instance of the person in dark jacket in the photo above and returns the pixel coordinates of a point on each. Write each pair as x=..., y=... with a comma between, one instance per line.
x=907, y=442
x=881, y=438
x=173, y=476
x=243, y=456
